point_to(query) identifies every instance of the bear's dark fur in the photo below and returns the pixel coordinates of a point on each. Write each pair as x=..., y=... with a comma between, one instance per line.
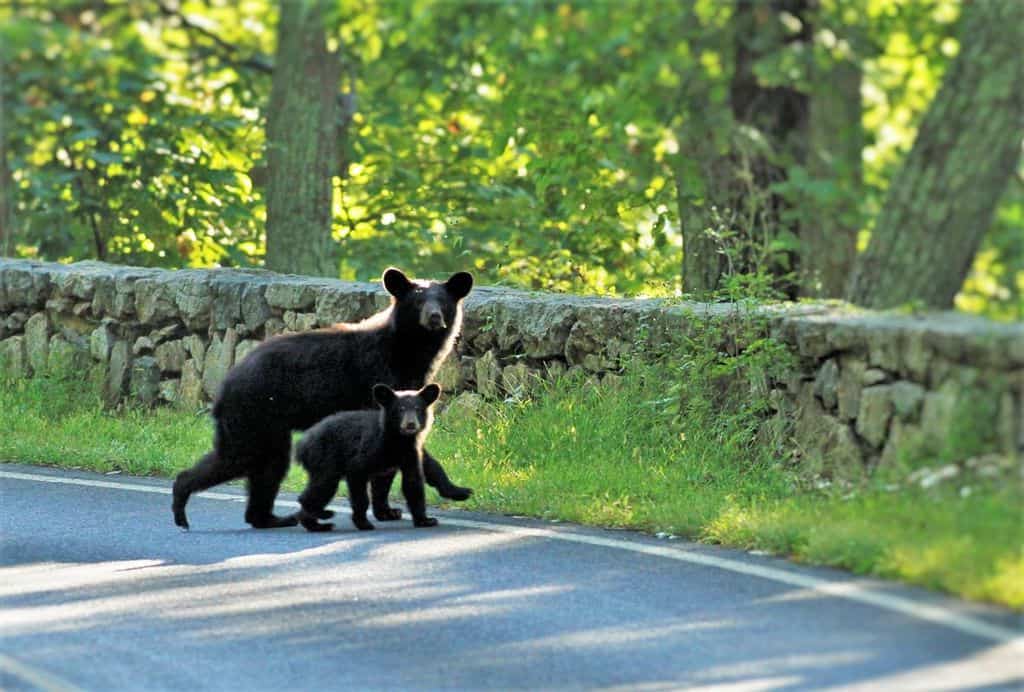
x=360, y=445
x=292, y=381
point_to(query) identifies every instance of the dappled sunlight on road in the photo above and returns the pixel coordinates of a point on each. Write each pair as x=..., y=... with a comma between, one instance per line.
x=755, y=668
x=52, y=576
x=752, y=685
x=978, y=671
x=618, y=635
x=350, y=591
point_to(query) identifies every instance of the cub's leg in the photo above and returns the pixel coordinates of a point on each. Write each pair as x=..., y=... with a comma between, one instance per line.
x=434, y=474
x=380, y=486
x=360, y=500
x=319, y=491
x=415, y=496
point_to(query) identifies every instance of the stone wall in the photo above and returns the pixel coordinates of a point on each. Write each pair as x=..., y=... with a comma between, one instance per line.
x=866, y=387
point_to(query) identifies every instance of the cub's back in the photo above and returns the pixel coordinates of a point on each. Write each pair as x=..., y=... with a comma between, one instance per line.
x=339, y=438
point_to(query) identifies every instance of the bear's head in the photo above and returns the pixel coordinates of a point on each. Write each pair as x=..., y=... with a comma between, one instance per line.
x=433, y=306
x=407, y=412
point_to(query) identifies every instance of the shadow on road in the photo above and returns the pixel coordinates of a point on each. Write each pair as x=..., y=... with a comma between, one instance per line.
x=443, y=609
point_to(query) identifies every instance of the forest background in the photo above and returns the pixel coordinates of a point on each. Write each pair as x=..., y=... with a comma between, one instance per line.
x=636, y=147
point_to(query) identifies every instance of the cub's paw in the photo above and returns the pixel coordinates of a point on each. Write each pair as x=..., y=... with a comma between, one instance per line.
x=424, y=522
x=363, y=524
x=325, y=514
x=387, y=514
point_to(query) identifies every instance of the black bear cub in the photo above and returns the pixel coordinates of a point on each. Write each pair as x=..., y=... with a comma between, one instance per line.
x=360, y=445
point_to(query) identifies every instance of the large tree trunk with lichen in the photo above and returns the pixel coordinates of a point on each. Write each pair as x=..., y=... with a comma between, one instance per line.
x=737, y=197
x=828, y=234
x=941, y=202
x=302, y=143
x=6, y=183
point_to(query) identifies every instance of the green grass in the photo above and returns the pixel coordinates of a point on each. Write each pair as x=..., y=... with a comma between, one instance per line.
x=63, y=422
x=610, y=456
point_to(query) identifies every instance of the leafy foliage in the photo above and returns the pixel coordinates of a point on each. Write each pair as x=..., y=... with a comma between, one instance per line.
x=121, y=150
x=546, y=145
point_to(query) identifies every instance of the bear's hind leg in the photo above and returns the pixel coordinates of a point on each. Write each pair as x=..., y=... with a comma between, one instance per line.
x=434, y=474
x=264, y=482
x=209, y=471
x=263, y=487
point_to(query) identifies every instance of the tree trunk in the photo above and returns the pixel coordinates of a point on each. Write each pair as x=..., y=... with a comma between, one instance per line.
x=940, y=204
x=703, y=265
x=780, y=113
x=302, y=143
x=7, y=195
x=828, y=236
x=737, y=184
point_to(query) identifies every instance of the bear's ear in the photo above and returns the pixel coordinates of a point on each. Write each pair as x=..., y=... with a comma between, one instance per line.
x=459, y=285
x=430, y=393
x=396, y=283
x=383, y=394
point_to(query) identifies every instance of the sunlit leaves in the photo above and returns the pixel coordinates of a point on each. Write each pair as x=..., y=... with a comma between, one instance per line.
x=544, y=144
x=121, y=151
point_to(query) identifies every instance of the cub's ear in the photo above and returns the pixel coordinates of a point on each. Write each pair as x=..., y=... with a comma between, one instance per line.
x=383, y=394
x=396, y=283
x=430, y=393
x=459, y=285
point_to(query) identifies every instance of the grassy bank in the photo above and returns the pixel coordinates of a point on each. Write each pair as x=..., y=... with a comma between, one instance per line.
x=619, y=454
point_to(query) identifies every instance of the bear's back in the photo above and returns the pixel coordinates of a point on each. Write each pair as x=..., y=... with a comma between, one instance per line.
x=298, y=379
x=290, y=382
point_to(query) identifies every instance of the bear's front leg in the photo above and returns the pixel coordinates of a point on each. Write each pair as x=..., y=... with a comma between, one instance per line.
x=360, y=501
x=415, y=496
x=380, y=486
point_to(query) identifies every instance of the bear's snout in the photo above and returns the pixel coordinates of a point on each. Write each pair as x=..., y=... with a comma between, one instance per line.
x=432, y=318
x=409, y=424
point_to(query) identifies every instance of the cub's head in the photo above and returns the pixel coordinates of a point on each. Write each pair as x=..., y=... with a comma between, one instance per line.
x=406, y=412
x=433, y=306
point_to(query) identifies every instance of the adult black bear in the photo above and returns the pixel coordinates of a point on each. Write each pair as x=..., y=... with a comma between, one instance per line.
x=360, y=445
x=290, y=382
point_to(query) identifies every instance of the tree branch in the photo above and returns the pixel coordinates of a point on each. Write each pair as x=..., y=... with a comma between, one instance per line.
x=253, y=62
x=228, y=52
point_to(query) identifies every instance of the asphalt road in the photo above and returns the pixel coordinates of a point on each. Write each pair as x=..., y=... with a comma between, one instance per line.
x=100, y=591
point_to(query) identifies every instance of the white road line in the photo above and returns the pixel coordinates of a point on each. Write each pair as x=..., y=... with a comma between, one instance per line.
x=858, y=590
x=37, y=678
